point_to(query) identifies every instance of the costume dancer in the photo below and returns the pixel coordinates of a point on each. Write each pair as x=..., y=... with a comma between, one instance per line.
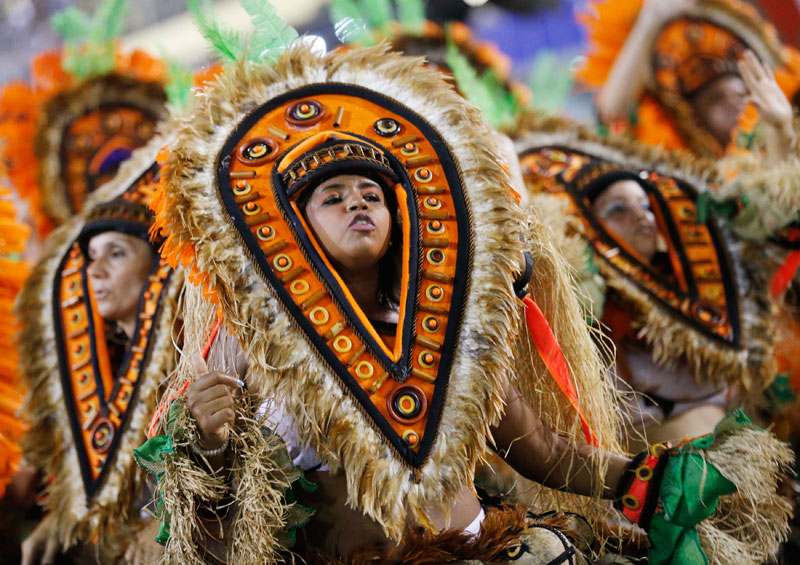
x=97, y=328
x=278, y=198
x=688, y=311
x=675, y=65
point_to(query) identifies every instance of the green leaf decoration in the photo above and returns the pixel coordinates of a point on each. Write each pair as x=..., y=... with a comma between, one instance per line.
x=89, y=49
x=273, y=34
x=550, y=81
x=378, y=12
x=411, y=14
x=348, y=23
x=487, y=91
x=179, y=83
x=73, y=25
x=109, y=20
x=227, y=43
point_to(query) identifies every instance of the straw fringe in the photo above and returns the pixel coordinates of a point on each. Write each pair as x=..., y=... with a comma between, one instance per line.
x=748, y=526
x=200, y=237
x=49, y=443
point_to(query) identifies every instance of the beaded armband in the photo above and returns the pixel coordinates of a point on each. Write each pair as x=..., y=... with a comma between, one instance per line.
x=638, y=491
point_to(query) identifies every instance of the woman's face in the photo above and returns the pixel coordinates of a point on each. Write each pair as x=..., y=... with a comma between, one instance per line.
x=625, y=210
x=118, y=268
x=718, y=106
x=350, y=219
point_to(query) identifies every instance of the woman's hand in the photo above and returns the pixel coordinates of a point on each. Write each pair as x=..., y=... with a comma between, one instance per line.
x=764, y=92
x=210, y=399
x=772, y=104
x=144, y=549
x=41, y=546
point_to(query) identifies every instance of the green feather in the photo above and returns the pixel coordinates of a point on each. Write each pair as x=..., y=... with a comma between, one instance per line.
x=487, y=91
x=179, y=83
x=550, y=82
x=348, y=22
x=378, y=12
x=108, y=20
x=227, y=43
x=273, y=34
x=411, y=14
x=73, y=25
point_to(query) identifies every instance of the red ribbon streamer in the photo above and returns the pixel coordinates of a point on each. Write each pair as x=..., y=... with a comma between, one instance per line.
x=784, y=275
x=550, y=352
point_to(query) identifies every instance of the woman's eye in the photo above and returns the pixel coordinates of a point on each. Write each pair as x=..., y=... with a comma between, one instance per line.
x=372, y=198
x=331, y=200
x=117, y=253
x=616, y=210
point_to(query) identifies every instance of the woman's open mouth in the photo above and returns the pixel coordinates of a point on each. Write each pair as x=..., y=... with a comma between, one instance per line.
x=362, y=222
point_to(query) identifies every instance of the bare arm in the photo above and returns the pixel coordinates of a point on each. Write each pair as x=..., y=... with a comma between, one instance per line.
x=627, y=76
x=541, y=455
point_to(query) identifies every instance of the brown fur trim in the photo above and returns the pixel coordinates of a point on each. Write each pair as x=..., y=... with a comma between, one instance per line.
x=503, y=529
x=49, y=443
x=64, y=108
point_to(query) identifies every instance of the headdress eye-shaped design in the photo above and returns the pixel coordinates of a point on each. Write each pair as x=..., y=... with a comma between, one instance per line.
x=699, y=283
x=96, y=144
x=99, y=402
x=279, y=152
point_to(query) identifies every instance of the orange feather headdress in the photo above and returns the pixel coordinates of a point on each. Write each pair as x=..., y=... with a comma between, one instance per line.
x=688, y=53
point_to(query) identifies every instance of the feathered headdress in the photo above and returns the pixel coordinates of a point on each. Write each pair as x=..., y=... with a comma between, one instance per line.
x=702, y=44
x=480, y=71
x=83, y=112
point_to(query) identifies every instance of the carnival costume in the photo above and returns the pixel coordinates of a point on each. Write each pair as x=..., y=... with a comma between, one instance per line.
x=83, y=112
x=406, y=418
x=478, y=69
x=690, y=51
x=90, y=391
x=13, y=271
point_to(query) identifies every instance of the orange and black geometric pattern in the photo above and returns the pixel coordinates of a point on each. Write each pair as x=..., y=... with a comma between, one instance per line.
x=702, y=288
x=400, y=383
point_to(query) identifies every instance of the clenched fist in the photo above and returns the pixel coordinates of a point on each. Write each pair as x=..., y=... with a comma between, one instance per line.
x=211, y=399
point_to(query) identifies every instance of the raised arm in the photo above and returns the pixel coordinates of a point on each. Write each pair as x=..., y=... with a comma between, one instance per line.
x=627, y=76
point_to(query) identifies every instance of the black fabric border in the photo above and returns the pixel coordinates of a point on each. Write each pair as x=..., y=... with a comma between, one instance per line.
x=463, y=261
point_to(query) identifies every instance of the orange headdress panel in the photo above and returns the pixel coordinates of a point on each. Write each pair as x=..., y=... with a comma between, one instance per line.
x=63, y=137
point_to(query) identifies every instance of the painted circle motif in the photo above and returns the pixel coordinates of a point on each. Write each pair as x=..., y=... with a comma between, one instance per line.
x=364, y=370
x=708, y=314
x=409, y=149
x=342, y=344
x=387, y=127
x=305, y=113
x=435, y=256
x=265, y=233
x=319, y=316
x=432, y=203
x=435, y=227
x=299, y=286
x=423, y=175
x=426, y=359
x=241, y=188
x=283, y=263
x=258, y=151
x=411, y=438
x=434, y=293
x=102, y=435
x=430, y=323
x=407, y=404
